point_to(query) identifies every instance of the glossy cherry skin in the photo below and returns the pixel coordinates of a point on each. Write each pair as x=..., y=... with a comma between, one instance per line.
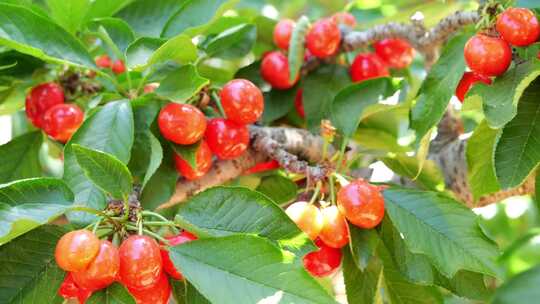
x=367, y=66
x=242, y=101
x=227, y=139
x=140, y=262
x=262, y=167
x=168, y=265
x=62, y=120
x=203, y=160
x=307, y=217
x=323, y=39
x=335, y=230
x=76, y=250
x=344, y=18
x=69, y=290
x=282, y=33
x=275, y=70
x=118, y=67
x=299, y=103
x=183, y=124
x=102, y=271
x=103, y=61
x=518, y=26
x=323, y=262
x=159, y=293
x=467, y=81
x=396, y=53
x=361, y=203
x=489, y=56
x=40, y=99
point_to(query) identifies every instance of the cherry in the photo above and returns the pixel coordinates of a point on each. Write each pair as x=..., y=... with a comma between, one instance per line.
x=335, y=231
x=104, y=61
x=518, y=26
x=299, y=103
x=467, y=81
x=275, y=70
x=262, y=167
x=76, y=250
x=242, y=101
x=40, y=99
x=323, y=262
x=159, y=293
x=396, y=53
x=282, y=33
x=227, y=139
x=69, y=290
x=344, y=18
x=118, y=67
x=361, y=203
x=203, y=160
x=323, y=39
x=183, y=124
x=102, y=271
x=151, y=87
x=168, y=265
x=307, y=217
x=367, y=66
x=62, y=120
x=140, y=262
x=489, y=56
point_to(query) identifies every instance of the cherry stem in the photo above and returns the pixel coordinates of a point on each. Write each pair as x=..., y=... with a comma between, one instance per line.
x=150, y=213
x=167, y=224
x=315, y=194
x=148, y=232
x=218, y=103
x=96, y=225
x=341, y=153
x=332, y=189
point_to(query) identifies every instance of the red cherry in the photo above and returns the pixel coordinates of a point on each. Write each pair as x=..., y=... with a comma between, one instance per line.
x=396, y=53
x=69, y=290
x=168, y=265
x=227, y=139
x=335, y=231
x=76, y=250
x=489, y=56
x=275, y=70
x=61, y=121
x=183, y=124
x=467, y=81
x=118, y=67
x=282, y=33
x=299, y=103
x=307, y=217
x=361, y=203
x=151, y=87
x=262, y=167
x=344, y=18
x=103, y=61
x=518, y=26
x=242, y=101
x=40, y=99
x=140, y=262
x=159, y=293
x=323, y=38
x=203, y=160
x=323, y=262
x=367, y=66
x=102, y=271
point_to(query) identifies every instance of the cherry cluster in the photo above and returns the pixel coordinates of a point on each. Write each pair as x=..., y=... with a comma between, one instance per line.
x=140, y=264
x=105, y=62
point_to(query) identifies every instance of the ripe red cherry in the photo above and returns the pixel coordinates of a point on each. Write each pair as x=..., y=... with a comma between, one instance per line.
x=282, y=33
x=518, y=26
x=467, y=81
x=159, y=293
x=323, y=39
x=367, y=66
x=323, y=262
x=40, y=99
x=344, y=18
x=181, y=123
x=203, y=160
x=102, y=271
x=242, y=101
x=396, y=53
x=307, y=217
x=489, y=56
x=103, y=61
x=262, y=167
x=275, y=70
x=168, y=265
x=227, y=139
x=335, y=231
x=361, y=203
x=299, y=103
x=62, y=120
x=69, y=290
x=76, y=249
x=140, y=262
x=118, y=67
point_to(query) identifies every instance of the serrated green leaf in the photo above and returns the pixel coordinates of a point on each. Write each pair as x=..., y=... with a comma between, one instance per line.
x=430, y=177
x=278, y=188
x=20, y=157
x=184, y=293
x=364, y=242
x=114, y=294
x=520, y=289
x=141, y=50
x=232, y=43
x=179, y=49
x=277, y=103
x=118, y=31
x=69, y=14
x=182, y=84
x=187, y=152
x=161, y=186
x=297, y=47
x=362, y=286
x=105, y=8
x=148, y=17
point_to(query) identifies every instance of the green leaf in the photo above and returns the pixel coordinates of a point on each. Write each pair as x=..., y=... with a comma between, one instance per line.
x=139, y=52
x=439, y=86
x=104, y=170
x=117, y=30
x=187, y=152
x=20, y=157
x=518, y=148
x=362, y=286
x=105, y=8
x=429, y=178
x=277, y=103
x=222, y=211
x=522, y=288
x=278, y=188
x=28, y=271
x=114, y=294
x=251, y=270
x=148, y=17
x=179, y=49
x=69, y=14
x=28, y=33
x=234, y=42
x=480, y=167
x=182, y=84
x=363, y=245
x=28, y=203
x=297, y=47
x=442, y=229
x=184, y=293
x=161, y=186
